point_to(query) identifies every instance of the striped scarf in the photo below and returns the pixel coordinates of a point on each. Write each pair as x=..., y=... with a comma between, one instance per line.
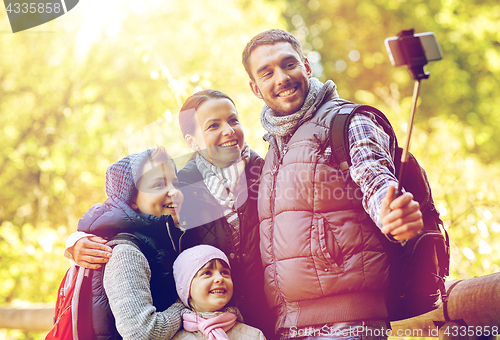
x=221, y=183
x=281, y=128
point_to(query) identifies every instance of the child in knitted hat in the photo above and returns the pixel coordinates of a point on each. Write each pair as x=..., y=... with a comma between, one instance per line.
x=203, y=282
x=140, y=218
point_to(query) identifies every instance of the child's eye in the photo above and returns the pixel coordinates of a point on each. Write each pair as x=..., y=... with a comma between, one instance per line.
x=159, y=184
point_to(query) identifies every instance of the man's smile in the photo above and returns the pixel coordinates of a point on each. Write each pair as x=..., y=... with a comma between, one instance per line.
x=287, y=92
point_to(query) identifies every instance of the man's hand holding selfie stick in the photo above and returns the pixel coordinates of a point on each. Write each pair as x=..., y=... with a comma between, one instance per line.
x=399, y=213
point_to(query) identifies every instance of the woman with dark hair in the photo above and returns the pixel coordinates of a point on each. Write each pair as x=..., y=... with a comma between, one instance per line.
x=220, y=186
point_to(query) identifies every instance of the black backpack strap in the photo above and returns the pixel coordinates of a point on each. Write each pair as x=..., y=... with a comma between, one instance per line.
x=339, y=136
x=339, y=131
x=128, y=237
x=138, y=243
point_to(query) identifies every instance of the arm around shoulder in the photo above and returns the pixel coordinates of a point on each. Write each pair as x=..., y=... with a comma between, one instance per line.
x=70, y=243
x=87, y=250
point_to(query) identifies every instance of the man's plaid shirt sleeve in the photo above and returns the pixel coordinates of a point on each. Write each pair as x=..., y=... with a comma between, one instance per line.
x=372, y=166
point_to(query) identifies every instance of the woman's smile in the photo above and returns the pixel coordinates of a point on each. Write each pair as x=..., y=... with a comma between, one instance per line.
x=230, y=143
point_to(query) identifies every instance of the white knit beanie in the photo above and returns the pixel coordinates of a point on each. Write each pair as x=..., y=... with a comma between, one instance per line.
x=189, y=262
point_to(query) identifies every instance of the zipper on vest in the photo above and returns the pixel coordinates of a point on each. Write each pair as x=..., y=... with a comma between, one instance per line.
x=180, y=239
x=274, y=173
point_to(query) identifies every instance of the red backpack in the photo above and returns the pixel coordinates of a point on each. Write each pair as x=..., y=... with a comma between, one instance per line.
x=74, y=303
x=68, y=305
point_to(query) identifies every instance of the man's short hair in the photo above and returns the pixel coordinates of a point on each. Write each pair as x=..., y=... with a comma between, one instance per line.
x=270, y=37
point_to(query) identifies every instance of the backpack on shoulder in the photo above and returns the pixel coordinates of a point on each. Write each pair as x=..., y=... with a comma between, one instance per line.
x=75, y=316
x=418, y=269
x=70, y=308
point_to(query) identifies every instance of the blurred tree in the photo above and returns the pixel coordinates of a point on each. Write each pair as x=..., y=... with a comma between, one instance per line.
x=349, y=37
x=94, y=85
x=88, y=88
x=458, y=107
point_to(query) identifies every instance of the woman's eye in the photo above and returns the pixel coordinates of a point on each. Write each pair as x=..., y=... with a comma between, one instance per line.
x=213, y=126
x=234, y=120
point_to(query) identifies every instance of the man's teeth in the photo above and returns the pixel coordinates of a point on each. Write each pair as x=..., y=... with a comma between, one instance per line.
x=231, y=143
x=286, y=93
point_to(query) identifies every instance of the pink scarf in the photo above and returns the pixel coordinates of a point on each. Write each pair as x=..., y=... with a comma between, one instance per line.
x=214, y=328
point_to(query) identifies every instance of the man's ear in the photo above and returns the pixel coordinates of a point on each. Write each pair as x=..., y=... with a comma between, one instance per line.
x=308, y=67
x=191, y=142
x=255, y=89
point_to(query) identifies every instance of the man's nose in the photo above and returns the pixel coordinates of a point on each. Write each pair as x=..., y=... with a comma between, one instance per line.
x=281, y=76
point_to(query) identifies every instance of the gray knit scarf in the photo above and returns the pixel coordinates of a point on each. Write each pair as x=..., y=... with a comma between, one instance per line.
x=221, y=183
x=280, y=128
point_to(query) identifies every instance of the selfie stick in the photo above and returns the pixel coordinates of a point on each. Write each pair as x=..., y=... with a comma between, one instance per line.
x=406, y=147
x=414, y=56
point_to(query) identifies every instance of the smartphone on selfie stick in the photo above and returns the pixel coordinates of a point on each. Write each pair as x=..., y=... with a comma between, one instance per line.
x=414, y=51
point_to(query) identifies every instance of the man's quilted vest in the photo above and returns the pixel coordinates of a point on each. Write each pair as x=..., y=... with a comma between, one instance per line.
x=323, y=262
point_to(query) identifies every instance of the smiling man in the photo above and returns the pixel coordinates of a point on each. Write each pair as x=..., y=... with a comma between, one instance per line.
x=323, y=262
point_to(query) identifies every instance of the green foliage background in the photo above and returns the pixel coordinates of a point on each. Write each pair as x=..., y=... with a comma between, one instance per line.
x=78, y=93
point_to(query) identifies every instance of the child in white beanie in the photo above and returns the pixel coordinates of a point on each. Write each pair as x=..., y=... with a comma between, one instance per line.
x=203, y=281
